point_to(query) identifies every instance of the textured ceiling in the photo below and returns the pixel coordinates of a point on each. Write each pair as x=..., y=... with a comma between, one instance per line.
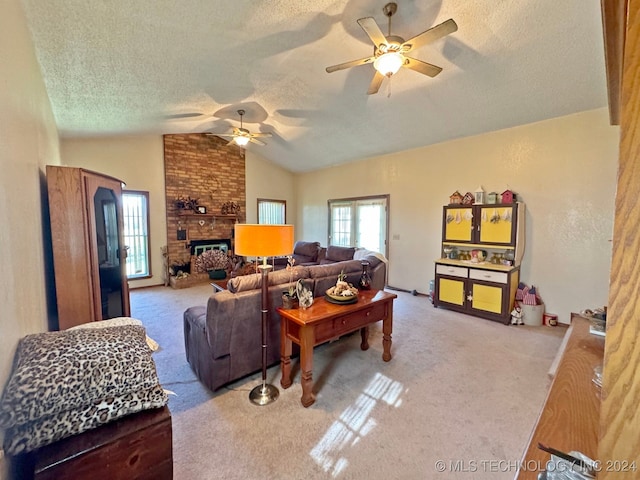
x=122, y=67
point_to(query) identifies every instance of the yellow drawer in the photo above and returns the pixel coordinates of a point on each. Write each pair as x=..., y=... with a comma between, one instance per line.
x=452, y=271
x=488, y=276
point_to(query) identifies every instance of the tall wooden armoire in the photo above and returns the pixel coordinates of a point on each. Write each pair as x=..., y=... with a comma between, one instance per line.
x=85, y=210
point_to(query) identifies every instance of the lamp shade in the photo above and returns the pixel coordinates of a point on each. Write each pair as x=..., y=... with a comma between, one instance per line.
x=253, y=240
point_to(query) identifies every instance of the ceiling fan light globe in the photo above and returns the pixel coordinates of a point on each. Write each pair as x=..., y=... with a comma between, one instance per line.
x=389, y=63
x=242, y=141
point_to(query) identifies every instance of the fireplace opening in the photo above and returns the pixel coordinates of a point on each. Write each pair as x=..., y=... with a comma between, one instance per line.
x=197, y=247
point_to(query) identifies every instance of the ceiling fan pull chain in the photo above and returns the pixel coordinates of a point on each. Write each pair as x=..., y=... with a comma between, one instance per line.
x=389, y=87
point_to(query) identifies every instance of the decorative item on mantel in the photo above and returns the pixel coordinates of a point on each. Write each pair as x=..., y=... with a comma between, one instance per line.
x=230, y=208
x=479, y=195
x=492, y=198
x=455, y=198
x=186, y=203
x=214, y=262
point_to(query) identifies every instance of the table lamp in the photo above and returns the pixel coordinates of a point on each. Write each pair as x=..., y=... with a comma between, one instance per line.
x=264, y=241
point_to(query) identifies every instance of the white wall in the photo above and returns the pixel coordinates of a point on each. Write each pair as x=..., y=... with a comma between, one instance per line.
x=564, y=170
x=267, y=180
x=28, y=142
x=139, y=162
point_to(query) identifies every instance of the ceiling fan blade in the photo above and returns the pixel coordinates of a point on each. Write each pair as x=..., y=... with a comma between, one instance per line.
x=422, y=67
x=431, y=35
x=260, y=134
x=352, y=63
x=223, y=134
x=233, y=140
x=255, y=140
x=374, y=86
x=372, y=29
x=182, y=115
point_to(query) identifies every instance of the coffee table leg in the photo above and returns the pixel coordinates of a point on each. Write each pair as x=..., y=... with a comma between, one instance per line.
x=285, y=355
x=364, y=333
x=387, y=327
x=307, y=339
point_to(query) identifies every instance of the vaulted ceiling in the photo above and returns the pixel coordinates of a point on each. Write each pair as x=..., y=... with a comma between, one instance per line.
x=127, y=67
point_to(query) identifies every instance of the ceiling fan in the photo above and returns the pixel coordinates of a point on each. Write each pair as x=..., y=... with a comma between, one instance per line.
x=241, y=136
x=389, y=52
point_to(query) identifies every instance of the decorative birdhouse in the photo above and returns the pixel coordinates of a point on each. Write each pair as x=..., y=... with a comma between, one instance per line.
x=479, y=195
x=455, y=198
x=492, y=198
x=508, y=196
x=468, y=199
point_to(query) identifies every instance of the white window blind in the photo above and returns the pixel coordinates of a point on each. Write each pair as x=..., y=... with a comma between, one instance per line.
x=272, y=212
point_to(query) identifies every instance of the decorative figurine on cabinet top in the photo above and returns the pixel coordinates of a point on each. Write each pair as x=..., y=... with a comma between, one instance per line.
x=479, y=195
x=492, y=198
x=468, y=199
x=455, y=198
x=508, y=196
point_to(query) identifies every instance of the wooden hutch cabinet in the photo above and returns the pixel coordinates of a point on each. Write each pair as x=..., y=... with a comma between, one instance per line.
x=85, y=210
x=482, y=287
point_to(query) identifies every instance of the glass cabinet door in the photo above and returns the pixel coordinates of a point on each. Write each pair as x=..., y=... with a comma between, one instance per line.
x=457, y=224
x=108, y=249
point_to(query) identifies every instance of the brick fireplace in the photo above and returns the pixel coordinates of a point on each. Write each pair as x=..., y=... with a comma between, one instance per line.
x=205, y=168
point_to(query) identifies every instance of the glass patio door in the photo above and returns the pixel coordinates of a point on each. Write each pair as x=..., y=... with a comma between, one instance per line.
x=359, y=222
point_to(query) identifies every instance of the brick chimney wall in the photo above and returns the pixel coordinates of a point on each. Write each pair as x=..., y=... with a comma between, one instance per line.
x=202, y=167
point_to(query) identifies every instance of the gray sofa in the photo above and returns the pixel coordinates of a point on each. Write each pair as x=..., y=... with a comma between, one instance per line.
x=223, y=338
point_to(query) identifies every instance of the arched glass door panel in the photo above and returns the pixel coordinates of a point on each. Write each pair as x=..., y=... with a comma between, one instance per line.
x=108, y=249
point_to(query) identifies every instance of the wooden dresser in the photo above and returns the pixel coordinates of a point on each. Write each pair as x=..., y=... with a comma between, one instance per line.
x=569, y=420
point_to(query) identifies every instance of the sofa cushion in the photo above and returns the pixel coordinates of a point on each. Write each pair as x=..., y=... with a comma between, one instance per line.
x=338, y=254
x=254, y=281
x=70, y=369
x=305, y=252
x=326, y=275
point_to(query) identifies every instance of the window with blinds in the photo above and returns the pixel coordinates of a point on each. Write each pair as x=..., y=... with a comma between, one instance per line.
x=272, y=212
x=135, y=206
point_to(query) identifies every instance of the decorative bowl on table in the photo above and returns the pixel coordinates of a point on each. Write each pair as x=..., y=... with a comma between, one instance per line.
x=342, y=296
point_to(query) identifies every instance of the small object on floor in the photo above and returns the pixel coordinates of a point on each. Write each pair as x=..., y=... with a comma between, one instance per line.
x=414, y=292
x=516, y=316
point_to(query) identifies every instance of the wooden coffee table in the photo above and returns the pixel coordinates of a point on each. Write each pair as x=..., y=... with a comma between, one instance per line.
x=324, y=321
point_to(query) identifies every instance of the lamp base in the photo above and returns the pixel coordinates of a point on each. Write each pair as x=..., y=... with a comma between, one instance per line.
x=264, y=394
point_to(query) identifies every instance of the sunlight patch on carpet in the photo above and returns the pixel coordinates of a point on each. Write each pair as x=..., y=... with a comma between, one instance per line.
x=355, y=422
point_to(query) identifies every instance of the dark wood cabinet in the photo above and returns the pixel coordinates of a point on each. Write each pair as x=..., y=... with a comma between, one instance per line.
x=484, y=287
x=85, y=210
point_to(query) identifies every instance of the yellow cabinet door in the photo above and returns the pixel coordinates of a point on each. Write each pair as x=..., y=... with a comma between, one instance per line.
x=458, y=224
x=451, y=291
x=496, y=224
x=487, y=298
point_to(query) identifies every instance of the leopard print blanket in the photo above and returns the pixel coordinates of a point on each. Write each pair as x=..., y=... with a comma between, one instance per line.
x=66, y=382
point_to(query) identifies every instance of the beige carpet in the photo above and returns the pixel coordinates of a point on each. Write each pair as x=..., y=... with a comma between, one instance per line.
x=459, y=389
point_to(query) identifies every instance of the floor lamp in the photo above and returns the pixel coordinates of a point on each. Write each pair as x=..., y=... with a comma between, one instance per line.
x=263, y=241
